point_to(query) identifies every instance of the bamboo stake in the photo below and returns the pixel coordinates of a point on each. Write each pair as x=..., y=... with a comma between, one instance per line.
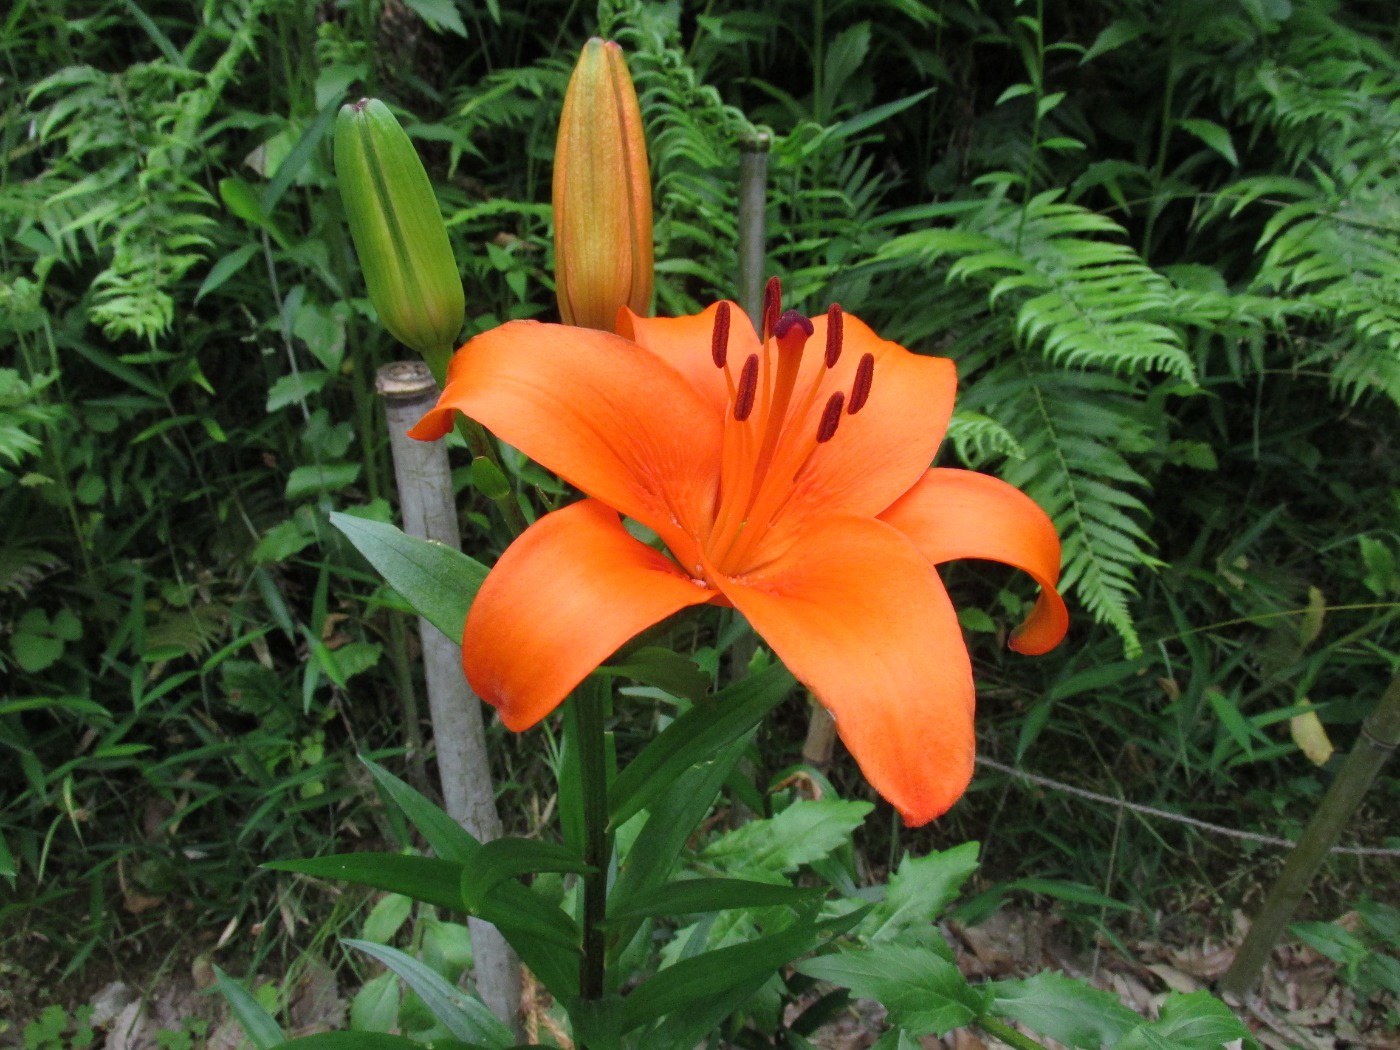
x=1380, y=734
x=429, y=512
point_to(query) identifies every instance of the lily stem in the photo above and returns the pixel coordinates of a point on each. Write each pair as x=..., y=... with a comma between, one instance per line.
x=589, y=702
x=1008, y=1035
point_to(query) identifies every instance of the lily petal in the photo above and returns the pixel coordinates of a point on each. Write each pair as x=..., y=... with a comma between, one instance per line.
x=879, y=452
x=609, y=417
x=687, y=343
x=953, y=514
x=861, y=617
x=563, y=597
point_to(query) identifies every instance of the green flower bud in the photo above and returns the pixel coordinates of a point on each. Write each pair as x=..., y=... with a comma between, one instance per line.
x=398, y=232
x=488, y=479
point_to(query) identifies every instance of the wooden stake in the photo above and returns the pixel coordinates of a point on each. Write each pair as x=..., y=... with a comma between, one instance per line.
x=1380, y=734
x=429, y=512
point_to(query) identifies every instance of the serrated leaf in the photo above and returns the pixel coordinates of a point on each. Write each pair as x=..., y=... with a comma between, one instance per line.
x=1197, y=1021
x=919, y=890
x=1065, y=1009
x=923, y=992
x=806, y=831
x=320, y=477
x=296, y=387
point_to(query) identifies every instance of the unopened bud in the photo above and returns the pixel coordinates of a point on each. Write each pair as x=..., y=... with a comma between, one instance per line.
x=488, y=479
x=602, y=194
x=398, y=232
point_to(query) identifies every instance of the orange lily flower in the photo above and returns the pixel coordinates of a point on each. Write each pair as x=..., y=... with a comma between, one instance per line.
x=788, y=477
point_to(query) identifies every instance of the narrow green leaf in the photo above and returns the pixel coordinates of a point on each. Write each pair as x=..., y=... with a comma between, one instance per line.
x=295, y=160
x=666, y=669
x=552, y=955
x=464, y=1016
x=261, y=1027
x=448, y=839
x=546, y=939
x=694, y=896
x=169, y=50
x=224, y=269
x=505, y=858
x=1115, y=35
x=877, y=114
x=427, y=879
x=1076, y=892
x=440, y=15
x=670, y=821
x=738, y=967
x=1214, y=136
x=369, y=1041
x=693, y=737
x=436, y=580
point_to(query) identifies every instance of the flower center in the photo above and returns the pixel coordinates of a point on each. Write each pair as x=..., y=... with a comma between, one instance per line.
x=769, y=438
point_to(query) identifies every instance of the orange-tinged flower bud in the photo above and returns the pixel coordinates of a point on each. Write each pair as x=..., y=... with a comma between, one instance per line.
x=602, y=194
x=398, y=232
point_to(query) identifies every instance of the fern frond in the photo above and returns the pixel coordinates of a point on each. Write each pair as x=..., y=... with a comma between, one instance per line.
x=978, y=439
x=1086, y=298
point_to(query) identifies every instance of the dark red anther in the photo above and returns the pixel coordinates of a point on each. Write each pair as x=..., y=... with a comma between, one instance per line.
x=788, y=321
x=833, y=334
x=865, y=375
x=831, y=418
x=719, y=339
x=748, y=389
x=772, y=304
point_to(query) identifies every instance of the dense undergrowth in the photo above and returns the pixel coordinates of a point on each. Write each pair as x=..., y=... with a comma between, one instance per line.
x=1161, y=240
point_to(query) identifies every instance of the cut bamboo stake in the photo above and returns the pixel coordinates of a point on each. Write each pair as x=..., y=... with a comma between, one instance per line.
x=1380, y=734
x=429, y=512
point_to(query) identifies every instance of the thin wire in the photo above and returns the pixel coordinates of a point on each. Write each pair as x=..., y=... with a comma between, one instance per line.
x=1152, y=811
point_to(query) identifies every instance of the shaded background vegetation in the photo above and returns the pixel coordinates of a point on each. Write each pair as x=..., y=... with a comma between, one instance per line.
x=1161, y=240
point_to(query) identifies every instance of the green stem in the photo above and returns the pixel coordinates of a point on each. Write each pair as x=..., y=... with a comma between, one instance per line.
x=588, y=704
x=1037, y=76
x=1007, y=1034
x=474, y=434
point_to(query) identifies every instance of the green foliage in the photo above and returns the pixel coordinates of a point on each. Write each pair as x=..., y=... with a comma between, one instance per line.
x=1158, y=238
